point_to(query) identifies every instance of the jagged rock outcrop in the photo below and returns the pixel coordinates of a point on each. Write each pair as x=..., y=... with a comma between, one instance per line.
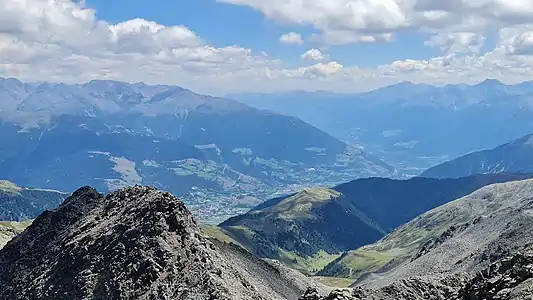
x=339, y=294
x=508, y=279
x=136, y=243
x=406, y=289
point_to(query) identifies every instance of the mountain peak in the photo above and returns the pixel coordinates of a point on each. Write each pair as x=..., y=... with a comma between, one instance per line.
x=405, y=83
x=401, y=84
x=135, y=243
x=302, y=203
x=526, y=142
x=404, y=88
x=512, y=157
x=490, y=82
x=106, y=82
x=10, y=81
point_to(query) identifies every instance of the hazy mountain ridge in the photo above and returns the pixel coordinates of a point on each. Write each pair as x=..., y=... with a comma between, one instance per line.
x=515, y=156
x=101, y=97
x=413, y=126
x=196, y=146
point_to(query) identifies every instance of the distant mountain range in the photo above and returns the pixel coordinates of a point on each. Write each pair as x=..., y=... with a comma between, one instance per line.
x=309, y=229
x=514, y=157
x=413, y=126
x=221, y=156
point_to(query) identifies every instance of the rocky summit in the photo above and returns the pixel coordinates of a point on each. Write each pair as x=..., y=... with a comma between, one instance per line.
x=136, y=243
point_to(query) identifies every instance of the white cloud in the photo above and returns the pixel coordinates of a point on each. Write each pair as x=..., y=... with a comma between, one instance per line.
x=517, y=40
x=460, y=42
x=291, y=38
x=351, y=21
x=143, y=36
x=65, y=42
x=313, y=54
x=361, y=19
x=343, y=37
x=321, y=69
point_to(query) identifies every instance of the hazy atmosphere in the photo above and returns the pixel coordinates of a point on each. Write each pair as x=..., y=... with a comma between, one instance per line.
x=266, y=150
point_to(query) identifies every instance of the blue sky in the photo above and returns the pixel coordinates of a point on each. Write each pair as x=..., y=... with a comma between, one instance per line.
x=224, y=46
x=222, y=24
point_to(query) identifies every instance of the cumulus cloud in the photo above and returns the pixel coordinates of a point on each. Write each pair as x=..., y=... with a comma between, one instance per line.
x=517, y=40
x=350, y=21
x=360, y=18
x=313, y=54
x=144, y=36
x=459, y=42
x=64, y=41
x=291, y=38
x=322, y=69
x=343, y=37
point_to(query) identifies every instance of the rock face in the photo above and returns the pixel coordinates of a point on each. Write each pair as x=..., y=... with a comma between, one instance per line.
x=340, y=294
x=488, y=225
x=136, y=243
x=508, y=279
x=482, y=250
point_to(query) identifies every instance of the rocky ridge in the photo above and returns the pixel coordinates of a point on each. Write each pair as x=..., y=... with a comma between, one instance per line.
x=136, y=243
x=508, y=279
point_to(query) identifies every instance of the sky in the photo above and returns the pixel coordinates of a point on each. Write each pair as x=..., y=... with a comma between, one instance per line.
x=227, y=46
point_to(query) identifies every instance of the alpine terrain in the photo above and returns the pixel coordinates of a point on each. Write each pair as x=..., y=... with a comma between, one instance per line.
x=198, y=147
x=477, y=247
x=266, y=150
x=135, y=243
x=310, y=229
x=413, y=126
